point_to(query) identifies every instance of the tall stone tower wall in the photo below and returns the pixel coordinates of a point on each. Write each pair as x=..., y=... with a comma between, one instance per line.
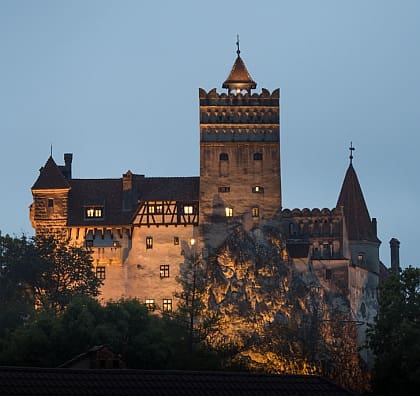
x=239, y=156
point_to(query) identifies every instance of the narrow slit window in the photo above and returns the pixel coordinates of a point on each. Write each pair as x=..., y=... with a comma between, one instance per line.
x=255, y=211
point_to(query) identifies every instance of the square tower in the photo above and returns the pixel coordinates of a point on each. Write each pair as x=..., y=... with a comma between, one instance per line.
x=239, y=151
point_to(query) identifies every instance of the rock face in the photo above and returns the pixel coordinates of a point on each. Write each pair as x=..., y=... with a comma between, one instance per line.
x=278, y=318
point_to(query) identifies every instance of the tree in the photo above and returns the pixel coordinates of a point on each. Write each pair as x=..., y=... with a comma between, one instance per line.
x=44, y=271
x=395, y=335
x=64, y=272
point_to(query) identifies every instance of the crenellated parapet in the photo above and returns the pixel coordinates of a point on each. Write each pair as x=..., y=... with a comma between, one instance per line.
x=315, y=212
x=240, y=117
x=265, y=98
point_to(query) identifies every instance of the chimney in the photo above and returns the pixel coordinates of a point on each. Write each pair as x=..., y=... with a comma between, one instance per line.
x=375, y=226
x=68, y=158
x=395, y=255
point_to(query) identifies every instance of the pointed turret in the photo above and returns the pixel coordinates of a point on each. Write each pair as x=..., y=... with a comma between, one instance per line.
x=50, y=177
x=359, y=224
x=239, y=78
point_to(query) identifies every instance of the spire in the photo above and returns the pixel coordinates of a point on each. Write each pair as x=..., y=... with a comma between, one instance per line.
x=358, y=222
x=239, y=78
x=50, y=177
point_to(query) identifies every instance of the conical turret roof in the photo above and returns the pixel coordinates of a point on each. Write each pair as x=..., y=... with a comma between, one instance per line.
x=239, y=77
x=50, y=177
x=359, y=224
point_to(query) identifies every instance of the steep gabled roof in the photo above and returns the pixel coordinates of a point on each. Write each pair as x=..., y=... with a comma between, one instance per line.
x=169, y=188
x=358, y=222
x=239, y=77
x=50, y=177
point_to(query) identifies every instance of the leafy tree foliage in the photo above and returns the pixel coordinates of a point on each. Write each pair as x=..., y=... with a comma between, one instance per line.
x=44, y=271
x=395, y=336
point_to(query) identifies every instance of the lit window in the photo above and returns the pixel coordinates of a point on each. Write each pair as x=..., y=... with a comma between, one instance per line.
x=159, y=209
x=258, y=189
x=360, y=259
x=258, y=156
x=164, y=271
x=149, y=242
x=116, y=244
x=151, y=208
x=224, y=157
x=188, y=209
x=224, y=189
x=176, y=240
x=167, y=305
x=229, y=212
x=50, y=203
x=94, y=212
x=150, y=304
x=255, y=212
x=100, y=272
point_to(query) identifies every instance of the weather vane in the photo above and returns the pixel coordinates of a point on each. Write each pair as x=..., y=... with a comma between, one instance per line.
x=238, y=51
x=351, y=148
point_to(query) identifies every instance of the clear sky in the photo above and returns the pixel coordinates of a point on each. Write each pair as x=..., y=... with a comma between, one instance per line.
x=116, y=83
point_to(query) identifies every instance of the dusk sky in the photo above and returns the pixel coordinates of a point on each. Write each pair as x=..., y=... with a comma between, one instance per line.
x=116, y=84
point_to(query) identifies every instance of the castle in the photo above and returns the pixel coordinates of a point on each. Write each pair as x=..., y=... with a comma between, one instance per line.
x=140, y=228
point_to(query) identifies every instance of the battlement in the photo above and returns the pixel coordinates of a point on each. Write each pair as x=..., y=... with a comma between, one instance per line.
x=315, y=212
x=265, y=98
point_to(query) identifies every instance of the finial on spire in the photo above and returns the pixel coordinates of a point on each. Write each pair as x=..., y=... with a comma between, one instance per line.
x=351, y=148
x=238, y=51
x=51, y=150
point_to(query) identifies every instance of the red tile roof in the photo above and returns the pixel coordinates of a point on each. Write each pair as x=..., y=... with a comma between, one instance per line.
x=57, y=382
x=358, y=222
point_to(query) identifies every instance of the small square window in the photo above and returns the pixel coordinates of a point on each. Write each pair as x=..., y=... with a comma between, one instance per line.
x=167, y=305
x=224, y=157
x=50, y=203
x=224, y=189
x=176, y=240
x=149, y=242
x=258, y=156
x=150, y=304
x=100, y=272
x=258, y=189
x=229, y=212
x=255, y=212
x=164, y=271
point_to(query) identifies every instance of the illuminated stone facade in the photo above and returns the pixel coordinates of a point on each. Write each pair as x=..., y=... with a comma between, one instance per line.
x=139, y=228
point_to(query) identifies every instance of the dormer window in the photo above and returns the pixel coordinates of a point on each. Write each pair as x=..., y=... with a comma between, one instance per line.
x=94, y=212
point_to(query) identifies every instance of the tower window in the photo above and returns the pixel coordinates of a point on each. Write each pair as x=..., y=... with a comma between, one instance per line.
x=224, y=189
x=164, y=271
x=255, y=212
x=100, y=273
x=50, y=203
x=229, y=212
x=258, y=156
x=176, y=240
x=258, y=189
x=167, y=305
x=224, y=157
x=150, y=304
x=360, y=259
x=149, y=242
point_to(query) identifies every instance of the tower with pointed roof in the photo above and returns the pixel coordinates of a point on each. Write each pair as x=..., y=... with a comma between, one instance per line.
x=239, y=152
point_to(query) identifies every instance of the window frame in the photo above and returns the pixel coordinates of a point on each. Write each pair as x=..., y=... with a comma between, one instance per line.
x=100, y=272
x=149, y=242
x=164, y=271
x=167, y=305
x=150, y=304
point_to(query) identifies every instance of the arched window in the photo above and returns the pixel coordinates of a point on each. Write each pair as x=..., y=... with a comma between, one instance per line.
x=258, y=156
x=224, y=157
